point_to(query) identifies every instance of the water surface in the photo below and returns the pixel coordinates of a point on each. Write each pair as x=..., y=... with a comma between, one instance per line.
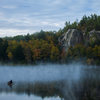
x=50, y=82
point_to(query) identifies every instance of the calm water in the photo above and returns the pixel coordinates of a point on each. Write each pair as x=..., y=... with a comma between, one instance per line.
x=50, y=82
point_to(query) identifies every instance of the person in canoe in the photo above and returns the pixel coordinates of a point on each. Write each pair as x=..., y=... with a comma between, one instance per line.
x=10, y=83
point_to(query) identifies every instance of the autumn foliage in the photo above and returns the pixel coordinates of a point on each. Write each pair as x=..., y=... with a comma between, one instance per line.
x=44, y=46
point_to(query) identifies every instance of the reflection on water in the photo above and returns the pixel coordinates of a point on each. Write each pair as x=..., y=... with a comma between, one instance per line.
x=42, y=90
x=13, y=96
x=53, y=82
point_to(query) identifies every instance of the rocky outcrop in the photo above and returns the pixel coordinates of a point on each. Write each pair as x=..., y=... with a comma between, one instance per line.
x=94, y=35
x=71, y=38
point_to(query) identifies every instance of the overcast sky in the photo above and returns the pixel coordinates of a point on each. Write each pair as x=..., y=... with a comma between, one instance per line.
x=19, y=17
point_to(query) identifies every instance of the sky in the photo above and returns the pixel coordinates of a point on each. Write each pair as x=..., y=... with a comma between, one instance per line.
x=19, y=17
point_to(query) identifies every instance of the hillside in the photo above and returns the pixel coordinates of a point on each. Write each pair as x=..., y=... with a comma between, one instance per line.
x=76, y=41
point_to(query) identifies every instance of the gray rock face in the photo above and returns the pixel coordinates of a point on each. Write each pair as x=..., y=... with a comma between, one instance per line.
x=95, y=34
x=71, y=38
x=94, y=37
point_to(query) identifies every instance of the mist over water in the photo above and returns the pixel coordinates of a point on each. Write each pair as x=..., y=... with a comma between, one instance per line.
x=48, y=72
x=66, y=82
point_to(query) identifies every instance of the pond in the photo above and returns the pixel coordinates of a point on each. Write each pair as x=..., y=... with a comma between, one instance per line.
x=50, y=82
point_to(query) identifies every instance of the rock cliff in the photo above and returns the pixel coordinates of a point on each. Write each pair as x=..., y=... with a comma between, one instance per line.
x=71, y=38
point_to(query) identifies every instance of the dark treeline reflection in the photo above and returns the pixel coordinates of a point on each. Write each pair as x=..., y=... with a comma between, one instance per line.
x=86, y=88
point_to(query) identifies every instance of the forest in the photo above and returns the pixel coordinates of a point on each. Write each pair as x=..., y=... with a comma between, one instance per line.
x=44, y=46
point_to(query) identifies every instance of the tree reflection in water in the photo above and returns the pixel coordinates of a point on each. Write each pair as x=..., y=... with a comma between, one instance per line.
x=86, y=88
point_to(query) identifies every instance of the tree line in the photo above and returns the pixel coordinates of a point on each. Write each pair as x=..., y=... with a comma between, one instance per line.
x=43, y=46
